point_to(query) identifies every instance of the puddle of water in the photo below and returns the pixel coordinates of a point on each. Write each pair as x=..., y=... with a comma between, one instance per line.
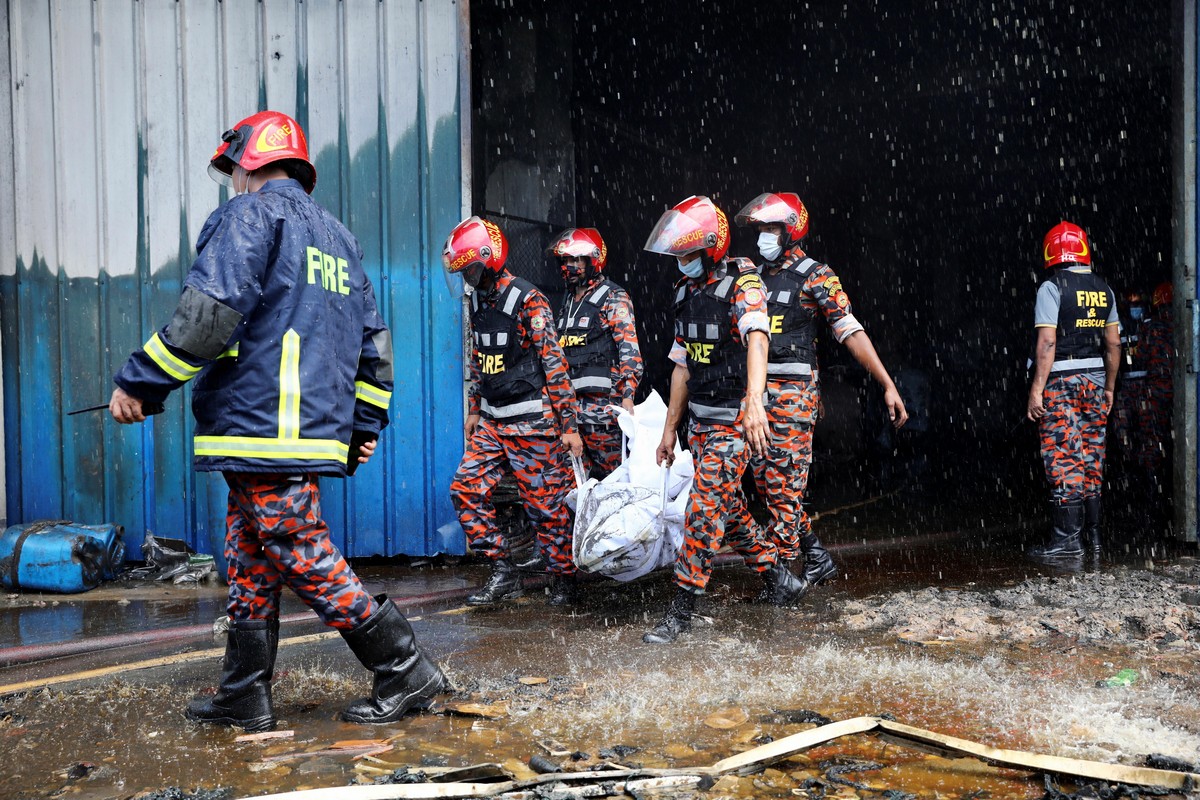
x=605, y=688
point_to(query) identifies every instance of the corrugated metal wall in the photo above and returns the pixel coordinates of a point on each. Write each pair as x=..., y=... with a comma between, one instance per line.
x=108, y=116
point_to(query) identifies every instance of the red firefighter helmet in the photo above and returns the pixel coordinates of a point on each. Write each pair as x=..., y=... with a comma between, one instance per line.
x=261, y=139
x=1164, y=295
x=695, y=224
x=1066, y=242
x=784, y=208
x=581, y=243
x=475, y=241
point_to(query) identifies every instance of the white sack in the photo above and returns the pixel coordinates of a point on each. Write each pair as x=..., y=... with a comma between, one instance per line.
x=631, y=523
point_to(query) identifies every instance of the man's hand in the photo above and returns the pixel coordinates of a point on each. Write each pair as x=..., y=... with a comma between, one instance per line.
x=574, y=443
x=125, y=408
x=754, y=425
x=470, y=424
x=366, y=450
x=1036, y=409
x=666, y=448
x=627, y=404
x=1108, y=401
x=897, y=413
x=362, y=447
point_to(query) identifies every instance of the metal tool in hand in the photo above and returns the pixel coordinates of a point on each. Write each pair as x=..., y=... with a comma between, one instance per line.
x=148, y=409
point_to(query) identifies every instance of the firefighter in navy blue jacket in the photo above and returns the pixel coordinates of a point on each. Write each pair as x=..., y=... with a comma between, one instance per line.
x=278, y=325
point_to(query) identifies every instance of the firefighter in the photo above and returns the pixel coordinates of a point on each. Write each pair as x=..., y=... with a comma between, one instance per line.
x=598, y=336
x=720, y=358
x=800, y=293
x=1130, y=378
x=278, y=325
x=522, y=415
x=1076, y=355
x=1152, y=412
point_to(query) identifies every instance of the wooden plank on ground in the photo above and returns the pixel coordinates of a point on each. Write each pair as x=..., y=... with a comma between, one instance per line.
x=1096, y=770
x=759, y=757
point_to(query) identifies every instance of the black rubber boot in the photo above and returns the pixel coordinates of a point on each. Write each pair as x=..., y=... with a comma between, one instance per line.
x=503, y=584
x=404, y=677
x=243, y=699
x=1067, y=520
x=677, y=620
x=1092, y=538
x=784, y=587
x=818, y=564
x=563, y=590
x=526, y=555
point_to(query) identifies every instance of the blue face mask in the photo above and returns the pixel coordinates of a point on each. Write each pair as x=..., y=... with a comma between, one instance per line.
x=1137, y=313
x=693, y=269
x=769, y=246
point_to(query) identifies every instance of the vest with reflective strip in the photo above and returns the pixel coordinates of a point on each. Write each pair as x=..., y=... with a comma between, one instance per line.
x=793, y=327
x=1079, y=346
x=590, y=349
x=511, y=376
x=716, y=362
x=1129, y=343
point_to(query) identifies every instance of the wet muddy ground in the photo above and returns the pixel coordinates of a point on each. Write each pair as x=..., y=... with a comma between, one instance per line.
x=954, y=633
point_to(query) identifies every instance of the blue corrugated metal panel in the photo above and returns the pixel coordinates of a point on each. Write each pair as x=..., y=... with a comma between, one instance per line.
x=108, y=192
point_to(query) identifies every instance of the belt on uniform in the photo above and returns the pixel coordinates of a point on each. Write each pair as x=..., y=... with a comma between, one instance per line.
x=1075, y=365
x=789, y=368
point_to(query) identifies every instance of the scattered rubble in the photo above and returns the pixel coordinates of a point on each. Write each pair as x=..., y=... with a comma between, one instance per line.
x=1133, y=607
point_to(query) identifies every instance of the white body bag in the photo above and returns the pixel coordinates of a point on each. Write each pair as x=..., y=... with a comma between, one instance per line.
x=631, y=523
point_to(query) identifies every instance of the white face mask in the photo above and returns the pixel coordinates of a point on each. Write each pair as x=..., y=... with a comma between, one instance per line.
x=769, y=246
x=692, y=269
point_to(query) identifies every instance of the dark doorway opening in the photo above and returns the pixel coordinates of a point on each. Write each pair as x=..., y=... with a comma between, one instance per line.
x=933, y=147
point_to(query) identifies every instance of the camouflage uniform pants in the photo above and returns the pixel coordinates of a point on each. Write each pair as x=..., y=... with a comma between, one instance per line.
x=1072, y=437
x=782, y=475
x=1123, y=418
x=601, y=448
x=542, y=469
x=1152, y=423
x=275, y=536
x=717, y=506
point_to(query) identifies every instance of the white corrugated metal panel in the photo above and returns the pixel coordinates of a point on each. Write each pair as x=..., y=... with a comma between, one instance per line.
x=108, y=116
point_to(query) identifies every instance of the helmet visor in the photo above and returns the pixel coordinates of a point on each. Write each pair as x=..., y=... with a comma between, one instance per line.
x=677, y=234
x=455, y=283
x=573, y=249
x=221, y=177
x=767, y=207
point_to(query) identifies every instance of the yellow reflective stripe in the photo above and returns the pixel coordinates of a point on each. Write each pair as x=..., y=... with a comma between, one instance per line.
x=254, y=447
x=176, y=367
x=372, y=394
x=289, y=386
x=232, y=352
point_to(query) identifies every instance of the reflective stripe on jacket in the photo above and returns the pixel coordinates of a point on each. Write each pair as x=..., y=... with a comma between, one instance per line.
x=278, y=324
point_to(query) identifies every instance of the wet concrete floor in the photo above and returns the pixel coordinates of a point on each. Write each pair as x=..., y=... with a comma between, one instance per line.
x=584, y=678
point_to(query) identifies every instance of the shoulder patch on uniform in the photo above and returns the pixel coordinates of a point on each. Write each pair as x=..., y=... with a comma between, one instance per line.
x=538, y=322
x=749, y=281
x=833, y=284
x=622, y=312
x=743, y=265
x=754, y=296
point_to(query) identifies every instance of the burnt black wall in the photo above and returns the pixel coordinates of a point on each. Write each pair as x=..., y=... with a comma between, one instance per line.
x=934, y=144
